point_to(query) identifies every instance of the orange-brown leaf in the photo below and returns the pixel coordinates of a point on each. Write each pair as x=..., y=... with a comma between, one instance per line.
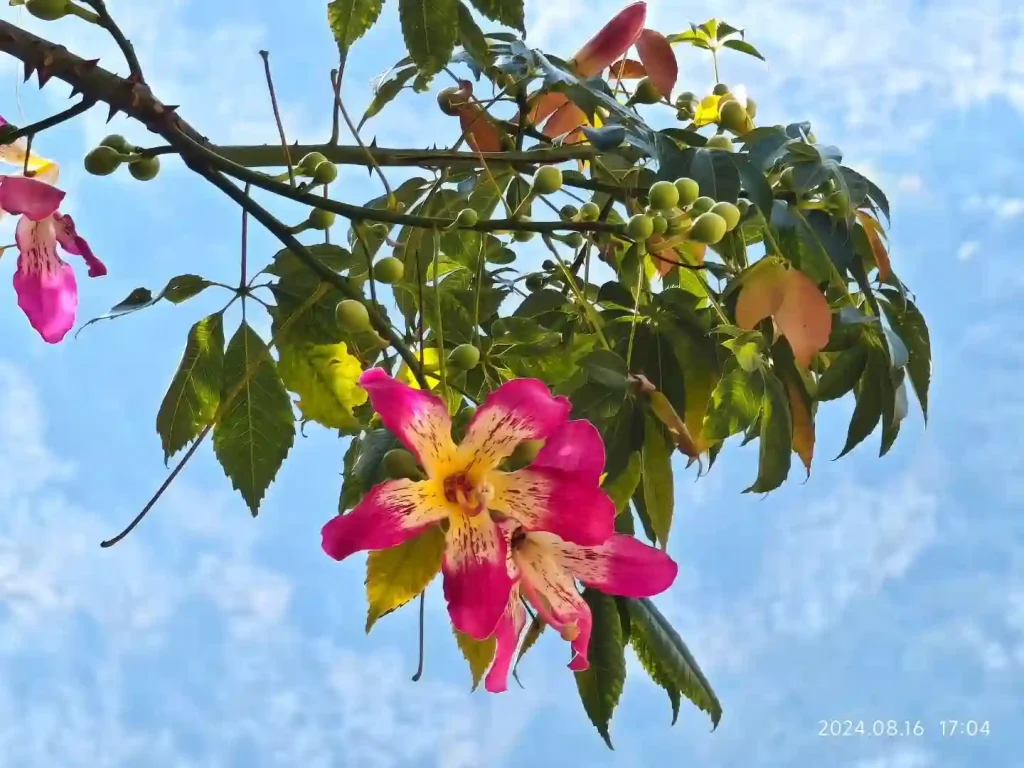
x=481, y=133
x=543, y=105
x=803, y=423
x=627, y=69
x=761, y=294
x=804, y=317
x=659, y=60
x=875, y=237
x=568, y=118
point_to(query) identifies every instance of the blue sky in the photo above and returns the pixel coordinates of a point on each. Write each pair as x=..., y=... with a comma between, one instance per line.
x=879, y=589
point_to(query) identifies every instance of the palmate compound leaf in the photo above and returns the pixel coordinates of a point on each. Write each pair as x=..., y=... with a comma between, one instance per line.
x=193, y=396
x=395, y=576
x=178, y=289
x=324, y=377
x=478, y=653
x=351, y=19
x=601, y=685
x=661, y=648
x=255, y=428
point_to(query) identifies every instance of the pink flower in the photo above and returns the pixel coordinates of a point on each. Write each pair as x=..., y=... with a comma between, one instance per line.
x=44, y=282
x=547, y=567
x=464, y=486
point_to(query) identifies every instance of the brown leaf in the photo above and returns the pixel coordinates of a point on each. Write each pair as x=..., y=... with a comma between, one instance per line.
x=627, y=69
x=761, y=294
x=803, y=423
x=659, y=60
x=875, y=235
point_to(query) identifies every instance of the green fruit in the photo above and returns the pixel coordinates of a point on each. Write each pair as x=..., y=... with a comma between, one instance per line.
x=120, y=143
x=547, y=180
x=701, y=205
x=744, y=206
x=663, y=195
x=729, y=212
x=574, y=240
x=534, y=283
x=640, y=227
x=325, y=173
x=388, y=270
x=145, y=168
x=47, y=10
x=399, y=463
x=590, y=212
x=720, y=90
x=308, y=164
x=464, y=357
x=689, y=190
x=569, y=211
x=523, y=235
x=720, y=141
x=548, y=265
x=683, y=99
x=526, y=452
x=102, y=161
x=646, y=93
x=660, y=225
x=684, y=115
x=709, y=228
x=467, y=218
x=733, y=117
x=320, y=219
x=676, y=223
x=751, y=108
x=352, y=315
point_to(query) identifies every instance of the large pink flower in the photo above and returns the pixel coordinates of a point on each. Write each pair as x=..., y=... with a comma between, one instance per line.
x=44, y=282
x=464, y=486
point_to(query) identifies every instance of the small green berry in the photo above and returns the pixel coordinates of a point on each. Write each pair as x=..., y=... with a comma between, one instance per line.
x=590, y=211
x=523, y=235
x=388, y=270
x=320, y=219
x=720, y=141
x=721, y=89
x=684, y=99
x=308, y=164
x=640, y=227
x=399, y=463
x=118, y=142
x=663, y=195
x=352, y=315
x=547, y=180
x=534, y=283
x=47, y=10
x=709, y=228
x=660, y=224
x=467, y=218
x=744, y=206
x=325, y=173
x=102, y=161
x=646, y=92
x=689, y=190
x=729, y=212
x=569, y=212
x=574, y=239
x=145, y=168
x=702, y=204
x=464, y=357
x=733, y=117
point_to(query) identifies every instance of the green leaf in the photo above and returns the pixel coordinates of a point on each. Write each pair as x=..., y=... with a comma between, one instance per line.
x=334, y=257
x=774, y=451
x=622, y=487
x=755, y=184
x=533, y=633
x=674, y=660
x=734, y=405
x=386, y=92
x=431, y=29
x=652, y=666
x=868, y=411
x=479, y=654
x=256, y=427
x=177, y=290
x=324, y=377
x=716, y=174
x=657, y=480
x=351, y=19
x=363, y=465
x=906, y=319
x=842, y=375
x=193, y=397
x=541, y=302
x=744, y=47
x=601, y=685
x=397, y=575
x=470, y=34
x=507, y=12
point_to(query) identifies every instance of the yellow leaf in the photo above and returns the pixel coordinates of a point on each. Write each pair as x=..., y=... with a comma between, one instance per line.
x=431, y=366
x=397, y=575
x=707, y=112
x=479, y=654
x=324, y=376
x=803, y=424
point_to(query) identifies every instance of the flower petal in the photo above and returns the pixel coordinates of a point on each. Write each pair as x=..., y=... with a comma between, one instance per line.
x=75, y=244
x=568, y=118
x=46, y=287
x=552, y=591
x=576, y=447
x=32, y=197
x=621, y=566
x=477, y=582
x=612, y=41
x=506, y=635
x=659, y=60
x=419, y=419
x=391, y=513
x=546, y=499
x=521, y=409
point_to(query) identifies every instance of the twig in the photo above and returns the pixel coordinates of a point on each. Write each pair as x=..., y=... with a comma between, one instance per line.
x=419, y=667
x=243, y=288
x=339, y=106
x=127, y=49
x=41, y=125
x=265, y=55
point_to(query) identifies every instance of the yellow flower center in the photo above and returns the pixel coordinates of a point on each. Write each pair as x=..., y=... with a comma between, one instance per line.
x=471, y=498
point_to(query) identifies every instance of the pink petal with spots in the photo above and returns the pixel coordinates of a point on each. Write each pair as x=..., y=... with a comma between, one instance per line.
x=476, y=576
x=75, y=244
x=521, y=409
x=419, y=419
x=46, y=287
x=391, y=513
x=31, y=197
x=546, y=499
x=552, y=591
x=506, y=635
x=576, y=447
x=621, y=566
